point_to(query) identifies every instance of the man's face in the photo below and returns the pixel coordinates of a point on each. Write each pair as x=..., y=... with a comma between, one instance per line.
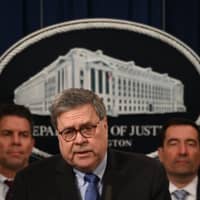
x=16, y=142
x=180, y=153
x=83, y=153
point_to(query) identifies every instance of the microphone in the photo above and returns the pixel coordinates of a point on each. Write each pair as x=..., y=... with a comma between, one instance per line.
x=108, y=192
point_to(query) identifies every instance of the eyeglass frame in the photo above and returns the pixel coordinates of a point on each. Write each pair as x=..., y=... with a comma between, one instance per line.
x=76, y=131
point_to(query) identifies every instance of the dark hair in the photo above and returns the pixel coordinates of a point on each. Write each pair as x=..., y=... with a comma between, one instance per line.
x=74, y=97
x=16, y=110
x=176, y=122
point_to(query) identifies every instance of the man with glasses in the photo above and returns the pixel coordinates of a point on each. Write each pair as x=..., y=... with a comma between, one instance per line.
x=86, y=169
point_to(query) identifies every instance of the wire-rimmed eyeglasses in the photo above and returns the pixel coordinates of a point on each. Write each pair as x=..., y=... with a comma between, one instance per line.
x=86, y=130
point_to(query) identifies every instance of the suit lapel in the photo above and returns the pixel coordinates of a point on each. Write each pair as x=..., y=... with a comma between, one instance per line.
x=65, y=182
x=112, y=179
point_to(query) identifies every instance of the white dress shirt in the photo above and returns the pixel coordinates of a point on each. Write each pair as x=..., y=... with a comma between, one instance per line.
x=3, y=187
x=82, y=184
x=191, y=188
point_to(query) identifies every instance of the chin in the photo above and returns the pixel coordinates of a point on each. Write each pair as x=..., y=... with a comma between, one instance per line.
x=17, y=164
x=85, y=167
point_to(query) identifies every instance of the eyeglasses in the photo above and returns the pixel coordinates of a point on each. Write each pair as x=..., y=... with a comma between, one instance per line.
x=87, y=131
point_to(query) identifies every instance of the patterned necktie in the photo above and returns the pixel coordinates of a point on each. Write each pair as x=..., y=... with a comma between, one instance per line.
x=9, y=183
x=92, y=192
x=180, y=194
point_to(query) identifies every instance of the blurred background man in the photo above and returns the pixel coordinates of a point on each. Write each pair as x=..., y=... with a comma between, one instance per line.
x=16, y=143
x=180, y=154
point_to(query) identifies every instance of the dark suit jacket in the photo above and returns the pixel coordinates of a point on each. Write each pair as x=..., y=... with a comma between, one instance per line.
x=198, y=187
x=127, y=176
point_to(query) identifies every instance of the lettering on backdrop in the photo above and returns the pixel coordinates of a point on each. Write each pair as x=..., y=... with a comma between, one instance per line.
x=122, y=135
x=43, y=130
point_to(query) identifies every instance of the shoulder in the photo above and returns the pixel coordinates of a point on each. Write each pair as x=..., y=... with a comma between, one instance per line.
x=133, y=166
x=45, y=162
x=41, y=167
x=136, y=168
x=133, y=159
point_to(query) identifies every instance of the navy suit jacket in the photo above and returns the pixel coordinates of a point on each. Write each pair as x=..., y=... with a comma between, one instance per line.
x=127, y=176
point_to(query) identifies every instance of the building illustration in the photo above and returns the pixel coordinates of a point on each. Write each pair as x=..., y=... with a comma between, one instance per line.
x=125, y=87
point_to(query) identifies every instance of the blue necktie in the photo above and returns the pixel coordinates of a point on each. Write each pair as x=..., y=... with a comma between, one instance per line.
x=180, y=194
x=92, y=192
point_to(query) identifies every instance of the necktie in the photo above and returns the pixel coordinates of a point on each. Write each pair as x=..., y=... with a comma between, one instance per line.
x=180, y=194
x=9, y=183
x=92, y=192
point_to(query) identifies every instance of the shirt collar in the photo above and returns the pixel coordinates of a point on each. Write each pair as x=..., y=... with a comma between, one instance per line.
x=191, y=187
x=3, y=178
x=99, y=171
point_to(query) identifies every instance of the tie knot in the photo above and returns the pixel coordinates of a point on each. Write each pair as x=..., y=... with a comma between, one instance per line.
x=180, y=194
x=91, y=178
x=9, y=183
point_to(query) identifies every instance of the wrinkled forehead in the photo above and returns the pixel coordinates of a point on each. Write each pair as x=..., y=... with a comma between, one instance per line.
x=79, y=114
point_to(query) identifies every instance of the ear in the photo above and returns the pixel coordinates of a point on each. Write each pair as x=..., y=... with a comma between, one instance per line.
x=105, y=122
x=160, y=153
x=33, y=142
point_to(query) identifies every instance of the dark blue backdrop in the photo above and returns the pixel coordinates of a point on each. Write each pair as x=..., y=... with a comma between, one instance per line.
x=21, y=17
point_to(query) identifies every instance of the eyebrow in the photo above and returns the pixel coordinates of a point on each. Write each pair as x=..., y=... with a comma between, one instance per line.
x=73, y=127
x=187, y=139
x=12, y=131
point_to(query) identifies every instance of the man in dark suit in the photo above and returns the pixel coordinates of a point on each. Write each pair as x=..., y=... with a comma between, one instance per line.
x=180, y=154
x=86, y=169
x=16, y=144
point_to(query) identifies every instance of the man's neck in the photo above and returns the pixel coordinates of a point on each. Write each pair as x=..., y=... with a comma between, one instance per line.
x=7, y=173
x=181, y=181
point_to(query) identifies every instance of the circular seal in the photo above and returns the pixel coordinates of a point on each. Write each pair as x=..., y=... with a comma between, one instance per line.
x=143, y=74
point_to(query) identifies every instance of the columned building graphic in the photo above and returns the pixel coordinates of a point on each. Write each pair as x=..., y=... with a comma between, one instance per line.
x=124, y=87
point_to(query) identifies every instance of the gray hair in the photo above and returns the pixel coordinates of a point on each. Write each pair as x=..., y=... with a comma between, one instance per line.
x=72, y=98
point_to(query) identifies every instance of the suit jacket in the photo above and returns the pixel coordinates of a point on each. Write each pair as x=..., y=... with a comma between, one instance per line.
x=198, y=186
x=127, y=176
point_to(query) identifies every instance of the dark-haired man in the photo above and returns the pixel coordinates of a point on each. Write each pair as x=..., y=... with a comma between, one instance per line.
x=16, y=143
x=180, y=154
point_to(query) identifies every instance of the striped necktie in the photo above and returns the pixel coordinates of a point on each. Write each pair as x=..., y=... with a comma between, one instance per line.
x=9, y=183
x=180, y=194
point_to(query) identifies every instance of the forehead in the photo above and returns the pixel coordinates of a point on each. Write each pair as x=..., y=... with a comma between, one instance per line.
x=181, y=132
x=78, y=114
x=14, y=122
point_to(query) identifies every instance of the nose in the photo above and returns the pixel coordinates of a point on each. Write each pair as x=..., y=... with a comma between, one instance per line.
x=79, y=138
x=15, y=138
x=183, y=149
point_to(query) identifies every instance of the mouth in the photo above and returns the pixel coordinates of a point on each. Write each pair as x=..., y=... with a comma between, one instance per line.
x=182, y=161
x=83, y=153
x=15, y=153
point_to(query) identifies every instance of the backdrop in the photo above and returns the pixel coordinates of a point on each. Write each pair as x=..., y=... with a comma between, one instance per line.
x=144, y=75
x=21, y=17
